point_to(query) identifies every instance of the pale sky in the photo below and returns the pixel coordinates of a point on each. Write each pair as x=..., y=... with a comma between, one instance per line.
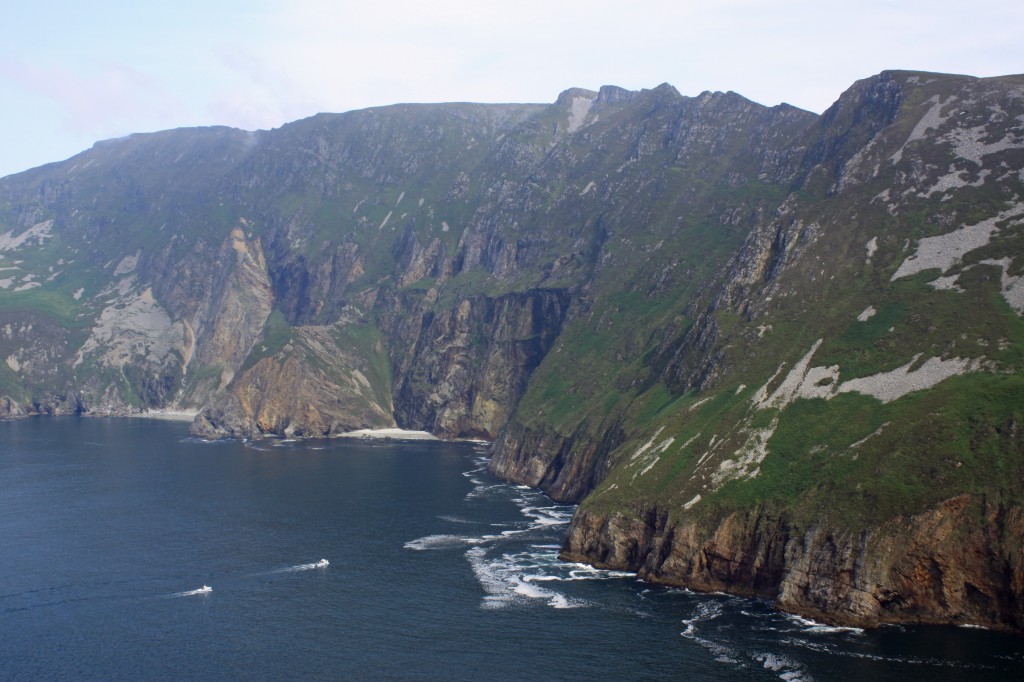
x=74, y=72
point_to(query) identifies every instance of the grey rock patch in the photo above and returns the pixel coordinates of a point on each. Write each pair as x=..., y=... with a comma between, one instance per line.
x=888, y=386
x=945, y=251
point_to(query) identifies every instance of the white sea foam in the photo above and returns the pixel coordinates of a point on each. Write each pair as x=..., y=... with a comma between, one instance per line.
x=825, y=648
x=541, y=578
x=549, y=516
x=707, y=611
x=814, y=627
x=528, y=589
x=496, y=590
x=441, y=542
x=590, y=573
x=505, y=584
x=554, y=599
x=480, y=488
x=513, y=577
x=787, y=668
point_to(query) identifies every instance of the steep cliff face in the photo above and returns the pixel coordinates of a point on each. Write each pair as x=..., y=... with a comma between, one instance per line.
x=840, y=429
x=565, y=467
x=714, y=166
x=322, y=382
x=229, y=320
x=464, y=368
x=713, y=323
x=939, y=566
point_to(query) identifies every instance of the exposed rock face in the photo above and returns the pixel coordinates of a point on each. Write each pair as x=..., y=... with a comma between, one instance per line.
x=939, y=566
x=230, y=320
x=9, y=409
x=465, y=368
x=565, y=467
x=281, y=395
x=719, y=324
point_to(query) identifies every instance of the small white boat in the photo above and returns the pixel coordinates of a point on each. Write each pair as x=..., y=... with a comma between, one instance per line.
x=322, y=563
x=204, y=589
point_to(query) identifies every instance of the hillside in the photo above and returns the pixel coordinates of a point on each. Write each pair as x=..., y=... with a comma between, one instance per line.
x=770, y=352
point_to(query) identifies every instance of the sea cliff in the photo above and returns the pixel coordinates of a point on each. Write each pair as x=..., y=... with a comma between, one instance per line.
x=768, y=351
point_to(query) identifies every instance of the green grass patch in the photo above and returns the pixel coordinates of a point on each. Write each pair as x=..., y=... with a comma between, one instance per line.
x=657, y=401
x=364, y=341
x=45, y=301
x=864, y=462
x=277, y=333
x=11, y=384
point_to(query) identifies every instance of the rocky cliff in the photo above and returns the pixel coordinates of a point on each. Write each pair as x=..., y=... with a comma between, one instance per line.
x=960, y=562
x=771, y=352
x=840, y=432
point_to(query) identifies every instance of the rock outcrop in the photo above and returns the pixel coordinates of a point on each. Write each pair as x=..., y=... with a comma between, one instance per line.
x=939, y=566
x=316, y=386
x=460, y=372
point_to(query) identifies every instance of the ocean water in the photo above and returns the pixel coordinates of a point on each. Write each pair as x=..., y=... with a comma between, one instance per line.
x=111, y=529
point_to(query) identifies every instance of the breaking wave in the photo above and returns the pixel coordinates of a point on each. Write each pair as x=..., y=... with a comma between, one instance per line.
x=441, y=542
x=518, y=565
x=515, y=564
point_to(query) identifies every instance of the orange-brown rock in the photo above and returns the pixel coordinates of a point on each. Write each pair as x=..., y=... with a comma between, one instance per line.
x=961, y=562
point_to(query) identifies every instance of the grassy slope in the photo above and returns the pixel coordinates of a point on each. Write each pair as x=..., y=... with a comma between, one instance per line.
x=853, y=458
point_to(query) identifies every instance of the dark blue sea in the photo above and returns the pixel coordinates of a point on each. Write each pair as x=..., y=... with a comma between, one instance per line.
x=110, y=528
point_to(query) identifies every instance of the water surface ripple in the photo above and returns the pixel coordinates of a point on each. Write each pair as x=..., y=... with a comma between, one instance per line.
x=129, y=550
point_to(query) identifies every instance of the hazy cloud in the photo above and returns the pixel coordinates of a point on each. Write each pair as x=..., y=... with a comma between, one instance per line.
x=92, y=101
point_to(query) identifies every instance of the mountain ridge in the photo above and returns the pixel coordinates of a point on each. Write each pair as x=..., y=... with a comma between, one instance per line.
x=764, y=348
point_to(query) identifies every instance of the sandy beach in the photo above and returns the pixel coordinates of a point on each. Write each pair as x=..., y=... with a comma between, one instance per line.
x=394, y=434
x=172, y=415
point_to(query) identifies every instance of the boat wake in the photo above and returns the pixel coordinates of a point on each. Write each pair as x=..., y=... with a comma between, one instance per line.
x=205, y=589
x=323, y=563
x=456, y=519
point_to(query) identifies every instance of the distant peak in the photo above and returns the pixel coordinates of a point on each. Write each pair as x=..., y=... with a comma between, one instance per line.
x=613, y=94
x=567, y=96
x=666, y=89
